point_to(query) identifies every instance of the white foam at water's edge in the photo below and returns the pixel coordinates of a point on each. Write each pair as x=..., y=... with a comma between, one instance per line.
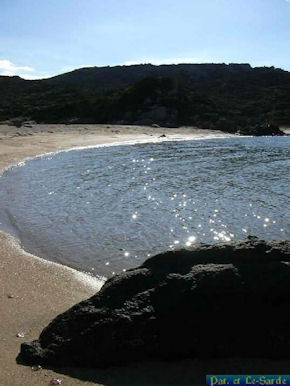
x=94, y=282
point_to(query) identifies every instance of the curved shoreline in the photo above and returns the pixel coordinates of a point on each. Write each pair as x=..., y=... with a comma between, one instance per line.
x=153, y=140
x=35, y=290
x=96, y=281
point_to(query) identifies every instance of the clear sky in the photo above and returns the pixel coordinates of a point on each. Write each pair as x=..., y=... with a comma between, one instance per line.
x=41, y=38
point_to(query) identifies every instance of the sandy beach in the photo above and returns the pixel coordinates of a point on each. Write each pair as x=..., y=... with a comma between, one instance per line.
x=34, y=291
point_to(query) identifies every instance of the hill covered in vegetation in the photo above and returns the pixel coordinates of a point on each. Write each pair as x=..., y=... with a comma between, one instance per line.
x=232, y=97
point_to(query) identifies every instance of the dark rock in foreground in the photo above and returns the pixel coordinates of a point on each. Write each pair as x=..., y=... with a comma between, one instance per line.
x=216, y=300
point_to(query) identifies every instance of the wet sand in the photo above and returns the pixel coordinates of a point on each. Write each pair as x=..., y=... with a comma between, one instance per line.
x=34, y=291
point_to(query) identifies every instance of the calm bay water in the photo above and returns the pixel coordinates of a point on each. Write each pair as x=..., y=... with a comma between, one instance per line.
x=107, y=209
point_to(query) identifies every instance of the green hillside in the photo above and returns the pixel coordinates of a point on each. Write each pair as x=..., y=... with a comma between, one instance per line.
x=218, y=96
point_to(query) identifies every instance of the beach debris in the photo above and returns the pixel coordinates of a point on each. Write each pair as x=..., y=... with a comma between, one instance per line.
x=20, y=334
x=36, y=368
x=55, y=381
x=10, y=296
x=162, y=136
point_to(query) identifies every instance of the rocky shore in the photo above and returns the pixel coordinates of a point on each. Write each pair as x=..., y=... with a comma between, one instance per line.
x=211, y=301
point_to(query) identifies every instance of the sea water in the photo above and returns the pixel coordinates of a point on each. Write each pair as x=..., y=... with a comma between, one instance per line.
x=103, y=210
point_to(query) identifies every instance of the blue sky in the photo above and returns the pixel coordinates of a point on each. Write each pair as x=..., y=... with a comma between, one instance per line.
x=43, y=38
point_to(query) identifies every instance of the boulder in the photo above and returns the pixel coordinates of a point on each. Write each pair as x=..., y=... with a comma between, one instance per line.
x=220, y=300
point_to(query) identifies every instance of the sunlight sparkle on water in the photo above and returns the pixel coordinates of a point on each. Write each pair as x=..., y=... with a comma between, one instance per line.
x=190, y=240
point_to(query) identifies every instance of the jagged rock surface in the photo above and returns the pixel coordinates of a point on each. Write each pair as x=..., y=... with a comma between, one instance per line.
x=216, y=300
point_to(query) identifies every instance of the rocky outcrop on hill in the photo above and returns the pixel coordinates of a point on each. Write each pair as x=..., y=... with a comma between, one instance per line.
x=218, y=300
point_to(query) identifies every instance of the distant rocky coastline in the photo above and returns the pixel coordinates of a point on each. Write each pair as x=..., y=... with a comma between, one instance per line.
x=212, y=301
